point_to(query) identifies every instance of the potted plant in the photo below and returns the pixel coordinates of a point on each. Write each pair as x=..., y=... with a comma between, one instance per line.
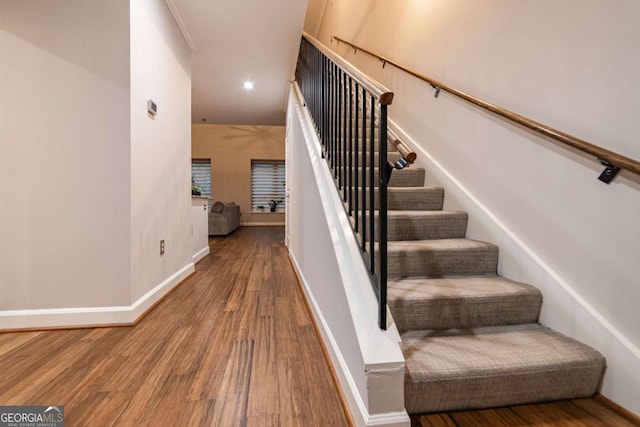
x=273, y=204
x=196, y=190
x=260, y=208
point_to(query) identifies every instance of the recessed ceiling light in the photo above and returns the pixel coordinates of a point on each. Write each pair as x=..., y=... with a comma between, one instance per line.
x=248, y=85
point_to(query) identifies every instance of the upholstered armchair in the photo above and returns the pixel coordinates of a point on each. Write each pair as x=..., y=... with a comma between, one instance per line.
x=223, y=218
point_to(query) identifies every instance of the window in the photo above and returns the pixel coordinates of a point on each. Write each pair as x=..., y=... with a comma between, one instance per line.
x=267, y=184
x=201, y=175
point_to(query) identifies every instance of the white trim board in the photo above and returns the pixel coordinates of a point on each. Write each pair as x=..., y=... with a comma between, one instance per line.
x=261, y=224
x=89, y=316
x=173, y=8
x=198, y=256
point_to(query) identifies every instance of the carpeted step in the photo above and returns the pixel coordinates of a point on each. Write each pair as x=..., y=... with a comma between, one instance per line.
x=439, y=258
x=461, y=302
x=498, y=366
x=411, y=198
x=424, y=225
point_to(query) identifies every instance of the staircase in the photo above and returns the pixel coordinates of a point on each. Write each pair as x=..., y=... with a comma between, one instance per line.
x=470, y=337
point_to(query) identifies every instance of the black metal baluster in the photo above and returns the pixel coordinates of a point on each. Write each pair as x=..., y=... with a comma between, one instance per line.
x=324, y=108
x=350, y=154
x=384, y=174
x=343, y=152
x=334, y=148
x=372, y=223
x=337, y=102
x=364, y=169
x=338, y=126
x=357, y=196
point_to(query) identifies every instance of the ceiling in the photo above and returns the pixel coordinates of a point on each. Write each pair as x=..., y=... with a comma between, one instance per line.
x=234, y=41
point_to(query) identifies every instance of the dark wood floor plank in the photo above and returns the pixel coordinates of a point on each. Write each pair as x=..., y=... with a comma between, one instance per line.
x=12, y=341
x=602, y=414
x=233, y=396
x=432, y=420
x=487, y=417
x=264, y=396
x=567, y=413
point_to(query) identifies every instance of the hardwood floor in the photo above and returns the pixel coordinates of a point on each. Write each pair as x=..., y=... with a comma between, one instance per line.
x=233, y=345
x=569, y=413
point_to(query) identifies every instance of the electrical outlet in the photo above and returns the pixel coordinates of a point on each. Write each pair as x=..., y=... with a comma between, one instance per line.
x=161, y=247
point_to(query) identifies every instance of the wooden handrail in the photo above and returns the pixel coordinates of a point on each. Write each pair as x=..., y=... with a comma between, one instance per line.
x=601, y=153
x=384, y=95
x=405, y=151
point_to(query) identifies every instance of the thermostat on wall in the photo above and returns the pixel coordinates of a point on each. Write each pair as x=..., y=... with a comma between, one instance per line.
x=152, y=108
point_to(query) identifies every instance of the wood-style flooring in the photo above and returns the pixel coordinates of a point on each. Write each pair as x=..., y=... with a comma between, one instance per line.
x=231, y=346
x=567, y=413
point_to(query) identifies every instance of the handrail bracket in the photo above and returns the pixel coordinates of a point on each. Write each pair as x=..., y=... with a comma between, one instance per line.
x=609, y=172
x=437, y=88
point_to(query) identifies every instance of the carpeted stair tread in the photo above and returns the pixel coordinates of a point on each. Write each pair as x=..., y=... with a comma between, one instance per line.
x=461, y=302
x=497, y=366
x=439, y=258
x=425, y=225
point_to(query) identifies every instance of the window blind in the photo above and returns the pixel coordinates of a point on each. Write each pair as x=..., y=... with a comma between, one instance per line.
x=201, y=173
x=267, y=183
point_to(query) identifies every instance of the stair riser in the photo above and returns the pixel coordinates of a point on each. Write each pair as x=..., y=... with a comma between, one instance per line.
x=439, y=263
x=425, y=228
x=408, y=177
x=557, y=383
x=426, y=199
x=454, y=313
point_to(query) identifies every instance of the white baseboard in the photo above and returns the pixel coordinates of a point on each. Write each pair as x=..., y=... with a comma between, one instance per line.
x=261, y=224
x=91, y=316
x=154, y=295
x=200, y=254
x=357, y=406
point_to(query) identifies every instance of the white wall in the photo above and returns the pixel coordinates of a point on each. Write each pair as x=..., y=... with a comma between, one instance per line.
x=89, y=182
x=368, y=361
x=64, y=156
x=572, y=65
x=160, y=148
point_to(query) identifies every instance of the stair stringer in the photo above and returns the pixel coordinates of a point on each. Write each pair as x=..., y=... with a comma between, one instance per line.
x=563, y=309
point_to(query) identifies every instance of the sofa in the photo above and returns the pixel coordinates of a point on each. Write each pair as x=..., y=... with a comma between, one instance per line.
x=223, y=218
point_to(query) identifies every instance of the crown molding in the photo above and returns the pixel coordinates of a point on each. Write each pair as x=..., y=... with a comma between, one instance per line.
x=183, y=28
